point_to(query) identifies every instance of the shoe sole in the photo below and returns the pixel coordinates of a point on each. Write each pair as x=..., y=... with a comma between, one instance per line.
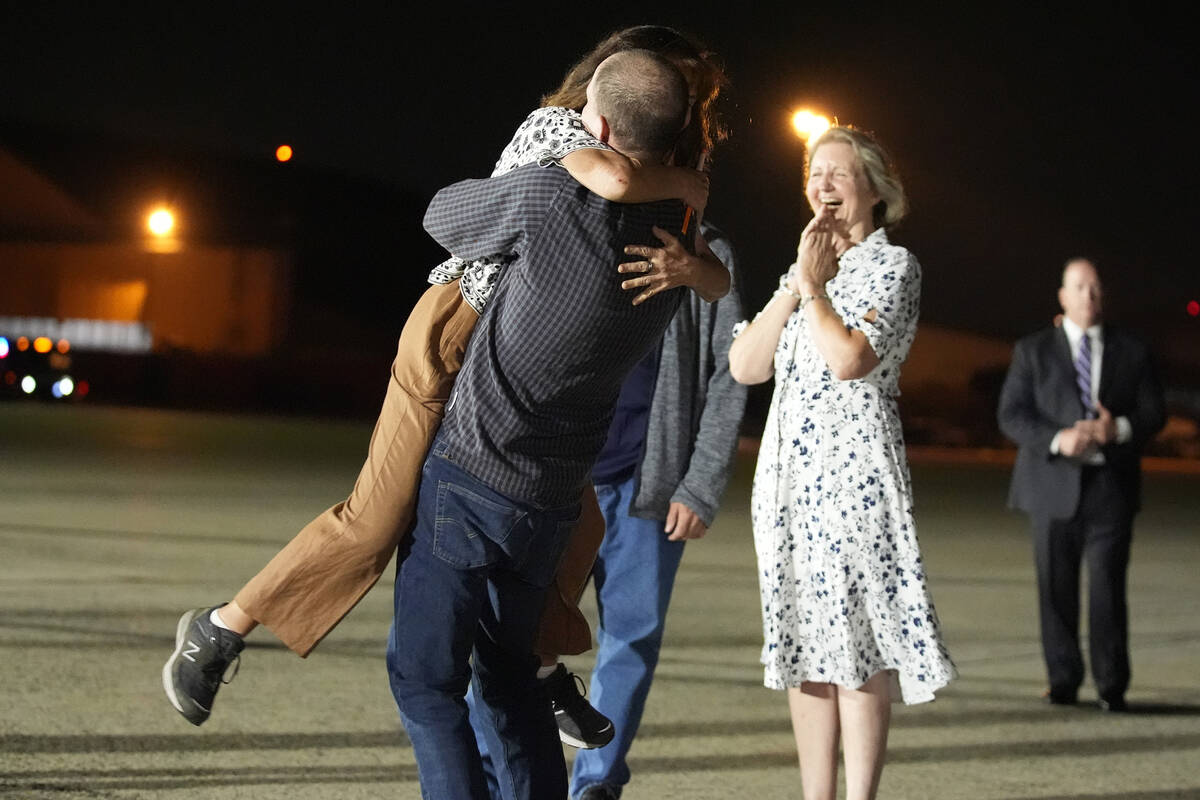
x=168, y=672
x=579, y=744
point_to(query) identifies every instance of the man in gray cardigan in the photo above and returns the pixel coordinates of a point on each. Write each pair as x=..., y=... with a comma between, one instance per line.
x=659, y=480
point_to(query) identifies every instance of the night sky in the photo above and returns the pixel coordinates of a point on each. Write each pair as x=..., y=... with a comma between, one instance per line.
x=1023, y=137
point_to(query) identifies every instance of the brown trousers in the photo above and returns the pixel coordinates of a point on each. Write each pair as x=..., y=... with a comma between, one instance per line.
x=321, y=574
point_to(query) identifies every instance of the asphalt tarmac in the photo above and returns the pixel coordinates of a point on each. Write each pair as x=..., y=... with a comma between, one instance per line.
x=115, y=521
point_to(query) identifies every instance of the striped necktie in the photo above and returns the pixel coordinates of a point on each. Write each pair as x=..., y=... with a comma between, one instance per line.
x=1083, y=376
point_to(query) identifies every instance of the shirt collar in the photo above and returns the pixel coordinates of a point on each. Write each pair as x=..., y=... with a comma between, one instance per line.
x=1074, y=332
x=875, y=240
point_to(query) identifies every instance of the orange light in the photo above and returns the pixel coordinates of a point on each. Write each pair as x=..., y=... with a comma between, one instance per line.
x=82, y=388
x=283, y=153
x=63, y=346
x=809, y=125
x=22, y=343
x=160, y=222
x=42, y=344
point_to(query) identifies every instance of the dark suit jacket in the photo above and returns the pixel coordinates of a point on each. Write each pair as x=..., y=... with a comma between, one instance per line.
x=1040, y=398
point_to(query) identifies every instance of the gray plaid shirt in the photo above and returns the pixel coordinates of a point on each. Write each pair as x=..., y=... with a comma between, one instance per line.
x=532, y=405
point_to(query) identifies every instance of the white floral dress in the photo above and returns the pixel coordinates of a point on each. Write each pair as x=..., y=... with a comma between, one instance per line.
x=840, y=571
x=545, y=137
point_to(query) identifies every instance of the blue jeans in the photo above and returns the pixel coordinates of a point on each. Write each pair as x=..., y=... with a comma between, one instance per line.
x=633, y=576
x=471, y=589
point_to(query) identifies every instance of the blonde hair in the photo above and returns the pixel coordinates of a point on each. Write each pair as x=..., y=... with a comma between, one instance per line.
x=876, y=166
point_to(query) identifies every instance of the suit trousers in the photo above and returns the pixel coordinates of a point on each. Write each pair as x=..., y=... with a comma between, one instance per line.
x=322, y=573
x=1100, y=532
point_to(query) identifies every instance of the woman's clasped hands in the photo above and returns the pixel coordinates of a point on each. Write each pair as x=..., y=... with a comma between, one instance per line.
x=817, y=255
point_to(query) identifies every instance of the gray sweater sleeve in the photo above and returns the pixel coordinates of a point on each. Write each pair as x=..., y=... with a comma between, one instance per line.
x=716, y=438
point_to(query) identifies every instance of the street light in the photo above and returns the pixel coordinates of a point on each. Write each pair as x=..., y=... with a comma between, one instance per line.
x=163, y=227
x=809, y=124
x=163, y=240
x=161, y=222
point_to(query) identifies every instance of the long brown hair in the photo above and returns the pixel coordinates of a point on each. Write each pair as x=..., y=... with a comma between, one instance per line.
x=705, y=129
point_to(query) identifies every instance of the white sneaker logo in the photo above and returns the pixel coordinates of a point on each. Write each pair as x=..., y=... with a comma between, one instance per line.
x=193, y=648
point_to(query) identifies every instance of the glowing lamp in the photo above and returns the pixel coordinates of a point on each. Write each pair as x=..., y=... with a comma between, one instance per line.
x=3, y=347
x=63, y=346
x=1193, y=309
x=283, y=153
x=28, y=384
x=22, y=343
x=42, y=344
x=161, y=222
x=809, y=125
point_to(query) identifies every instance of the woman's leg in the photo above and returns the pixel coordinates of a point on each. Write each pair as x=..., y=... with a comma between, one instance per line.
x=564, y=630
x=814, y=708
x=865, y=714
x=236, y=618
x=326, y=569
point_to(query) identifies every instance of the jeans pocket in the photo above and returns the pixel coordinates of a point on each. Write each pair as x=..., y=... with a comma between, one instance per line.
x=468, y=527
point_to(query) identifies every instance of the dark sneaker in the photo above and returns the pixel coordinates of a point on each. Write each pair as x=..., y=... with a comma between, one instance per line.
x=579, y=725
x=196, y=670
x=599, y=791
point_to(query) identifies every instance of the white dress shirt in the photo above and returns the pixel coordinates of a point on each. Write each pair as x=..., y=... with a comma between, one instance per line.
x=1096, y=333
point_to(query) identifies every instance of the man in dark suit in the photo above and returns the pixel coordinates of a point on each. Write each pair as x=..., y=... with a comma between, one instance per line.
x=1081, y=400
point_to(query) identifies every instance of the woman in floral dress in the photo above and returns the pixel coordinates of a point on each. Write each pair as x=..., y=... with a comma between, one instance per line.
x=848, y=623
